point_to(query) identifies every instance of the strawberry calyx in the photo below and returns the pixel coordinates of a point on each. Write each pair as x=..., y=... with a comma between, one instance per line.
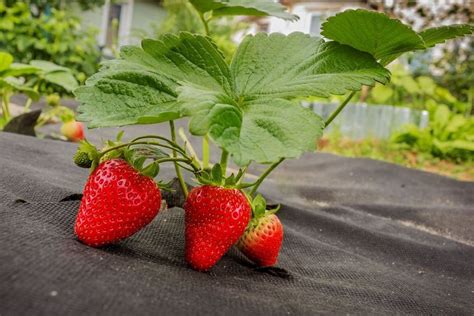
x=216, y=177
x=259, y=209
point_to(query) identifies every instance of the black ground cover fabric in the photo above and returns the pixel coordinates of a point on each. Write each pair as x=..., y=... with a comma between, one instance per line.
x=361, y=237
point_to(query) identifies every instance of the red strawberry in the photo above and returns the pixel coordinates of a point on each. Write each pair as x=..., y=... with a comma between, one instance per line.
x=74, y=131
x=215, y=219
x=262, y=240
x=117, y=202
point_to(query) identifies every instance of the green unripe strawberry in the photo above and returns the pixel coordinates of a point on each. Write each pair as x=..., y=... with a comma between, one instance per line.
x=86, y=155
x=53, y=99
x=81, y=159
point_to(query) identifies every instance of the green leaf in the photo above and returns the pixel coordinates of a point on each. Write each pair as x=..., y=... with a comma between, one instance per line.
x=123, y=97
x=262, y=130
x=272, y=129
x=255, y=122
x=63, y=79
x=437, y=35
x=276, y=65
x=56, y=74
x=47, y=66
x=16, y=84
x=141, y=86
x=230, y=181
x=204, y=6
x=190, y=58
x=5, y=61
x=372, y=32
x=151, y=170
x=17, y=70
x=216, y=173
x=255, y=8
x=244, y=7
x=259, y=206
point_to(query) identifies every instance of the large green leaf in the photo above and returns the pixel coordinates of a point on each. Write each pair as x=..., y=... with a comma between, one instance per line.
x=271, y=129
x=383, y=37
x=277, y=65
x=372, y=32
x=123, y=97
x=191, y=58
x=437, y=35
x=261, y=130
x=140, y=87
x=244, y=7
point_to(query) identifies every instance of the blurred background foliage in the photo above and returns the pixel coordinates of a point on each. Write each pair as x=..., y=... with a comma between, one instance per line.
x=181, y=16
x=51, y=34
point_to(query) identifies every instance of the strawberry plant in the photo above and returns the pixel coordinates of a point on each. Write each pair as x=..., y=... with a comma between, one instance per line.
x=247, y=107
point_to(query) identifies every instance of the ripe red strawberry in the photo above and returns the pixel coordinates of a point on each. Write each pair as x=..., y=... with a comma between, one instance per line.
x=215, y=219
x=261, y=241
x=118, y=201
x=73, y=130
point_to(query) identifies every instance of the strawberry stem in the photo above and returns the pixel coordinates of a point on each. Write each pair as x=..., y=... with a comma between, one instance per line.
x=176, y=165
x=28, y=102
x=187, y=145
x=6, y=106
x=264, y=175
x=185, y=158
x=245, y=185
x=224, y=159
x=176, y=159
x=172, y=143
x=205, y=23
x=205, y=152
x=339, y=109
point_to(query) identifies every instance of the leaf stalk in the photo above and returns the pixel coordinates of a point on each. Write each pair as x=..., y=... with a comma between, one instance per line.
x=339, y=109
x=224, y=159
x=264, y=175
x=6, y=106
x=205, y=152
x=205, y=23
x=182, y=183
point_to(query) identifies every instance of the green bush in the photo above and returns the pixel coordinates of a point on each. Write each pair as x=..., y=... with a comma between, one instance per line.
x=54, y=36
x=448, y=135
x=415, y=92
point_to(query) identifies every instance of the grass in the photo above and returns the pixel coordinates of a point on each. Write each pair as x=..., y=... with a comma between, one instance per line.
x=386, y=151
